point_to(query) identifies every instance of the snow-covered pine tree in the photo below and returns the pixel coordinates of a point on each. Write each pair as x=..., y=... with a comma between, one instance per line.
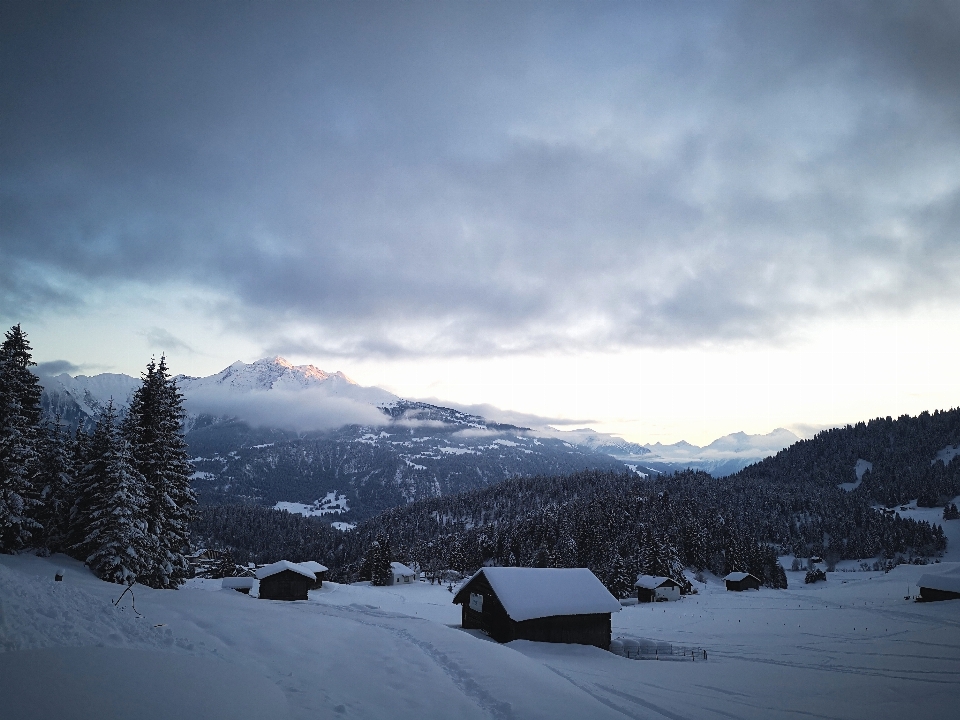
x=378, y=561
x=19, y=440
x=79, y=512
x=56, y=480
x=154, y=427
x=116, y=543
x=620, y=580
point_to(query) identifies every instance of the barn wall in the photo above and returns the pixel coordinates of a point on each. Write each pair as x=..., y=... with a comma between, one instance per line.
x=932, y=595
x=580, y=629
x=286, y=585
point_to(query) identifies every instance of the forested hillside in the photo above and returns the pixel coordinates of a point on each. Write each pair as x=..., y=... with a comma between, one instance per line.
x=904, y=454
x=620, y=524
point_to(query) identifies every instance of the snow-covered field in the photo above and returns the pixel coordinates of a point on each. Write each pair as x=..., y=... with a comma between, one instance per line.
x=852, y=647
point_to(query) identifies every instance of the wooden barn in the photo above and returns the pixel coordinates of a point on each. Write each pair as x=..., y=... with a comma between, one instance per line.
x=656, y=589
x=319, y=571
x=739, y=581
x=939, y=587
x=284, y=580
x=400, y=574
x=562, y=605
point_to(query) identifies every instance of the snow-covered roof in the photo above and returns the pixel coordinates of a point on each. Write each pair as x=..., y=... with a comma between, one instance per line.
x=651, y=582
x=528, y=593
x=313, y=566
x=949, y=582
x=238, y=583
x=277, y=567
x=401, y=569
x=738, y=576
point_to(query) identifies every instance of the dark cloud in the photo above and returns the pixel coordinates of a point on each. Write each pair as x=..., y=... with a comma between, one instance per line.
x=165, y=341
x=56, y=367
x=485, y=178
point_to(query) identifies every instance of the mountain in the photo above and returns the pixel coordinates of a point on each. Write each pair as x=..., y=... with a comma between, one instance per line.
x=724, y=456
x=278, y=375
x=272, y=432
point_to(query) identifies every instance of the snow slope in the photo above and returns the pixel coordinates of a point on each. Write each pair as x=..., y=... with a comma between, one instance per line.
x=850, y=648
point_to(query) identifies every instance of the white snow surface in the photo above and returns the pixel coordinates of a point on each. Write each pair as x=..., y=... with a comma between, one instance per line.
x=331, y=503
x=736, y=576
x=314, y=567
x=528, y=593
x=850, y=648
x=280, y=566
x=861, y=467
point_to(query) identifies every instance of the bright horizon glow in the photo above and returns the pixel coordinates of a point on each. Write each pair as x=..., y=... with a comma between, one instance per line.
x=840, y=372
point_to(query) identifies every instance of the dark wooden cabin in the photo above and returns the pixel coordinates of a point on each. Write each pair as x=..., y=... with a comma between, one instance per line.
x=319, y=571
x=934, y=588
x=284, y=580
x=562, y=605
x=740, y=581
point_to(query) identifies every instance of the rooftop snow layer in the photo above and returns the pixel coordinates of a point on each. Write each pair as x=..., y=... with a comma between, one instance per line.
x=738, y=576
x=238, y=583
x=313, y=566
x=528, y=593
x=401, y=569
x=947, y=582
x=651, y=582
x=268, y=570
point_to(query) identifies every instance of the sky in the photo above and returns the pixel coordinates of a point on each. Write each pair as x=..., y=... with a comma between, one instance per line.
x=667, y=221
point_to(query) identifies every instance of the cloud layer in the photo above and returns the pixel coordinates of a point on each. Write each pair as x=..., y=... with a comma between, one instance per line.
x=402, y=179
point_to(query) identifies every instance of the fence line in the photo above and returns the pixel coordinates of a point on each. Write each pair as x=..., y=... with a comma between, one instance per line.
x=647, y=649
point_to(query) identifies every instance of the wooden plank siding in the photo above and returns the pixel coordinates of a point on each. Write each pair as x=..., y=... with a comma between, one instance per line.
x=285, y=585
x=588, y=629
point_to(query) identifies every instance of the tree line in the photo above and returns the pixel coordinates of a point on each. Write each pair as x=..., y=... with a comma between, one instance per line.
x=118, y=497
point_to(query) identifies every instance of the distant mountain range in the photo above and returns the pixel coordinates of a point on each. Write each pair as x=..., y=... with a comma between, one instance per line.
x=269, y=432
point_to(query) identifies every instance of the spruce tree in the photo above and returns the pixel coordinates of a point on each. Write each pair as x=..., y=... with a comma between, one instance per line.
x=56, y=495
x=19, y=439
x=116, y=544
x=154, y=427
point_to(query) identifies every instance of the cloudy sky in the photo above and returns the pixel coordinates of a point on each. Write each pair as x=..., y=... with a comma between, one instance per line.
x=667, y=220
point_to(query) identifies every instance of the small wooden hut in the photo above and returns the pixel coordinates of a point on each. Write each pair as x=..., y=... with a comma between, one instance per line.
x=656, y=589
x=284, y=580
x=939, y=587
x=740, y=581
x=400, y=574
x=562, y=605
x=319, y=571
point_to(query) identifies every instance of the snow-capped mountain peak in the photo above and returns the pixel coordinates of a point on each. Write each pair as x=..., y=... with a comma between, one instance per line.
x=266, y=374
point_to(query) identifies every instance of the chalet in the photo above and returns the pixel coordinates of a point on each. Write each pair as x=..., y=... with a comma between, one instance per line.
x=284, y=580
x=739, y=581
x=400, y=574
x=240, y=584
x=319, y=571
x=939, y=587
x=562, y=605
x=656, y=589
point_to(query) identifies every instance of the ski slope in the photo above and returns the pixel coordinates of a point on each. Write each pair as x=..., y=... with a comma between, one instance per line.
x=852, y=647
